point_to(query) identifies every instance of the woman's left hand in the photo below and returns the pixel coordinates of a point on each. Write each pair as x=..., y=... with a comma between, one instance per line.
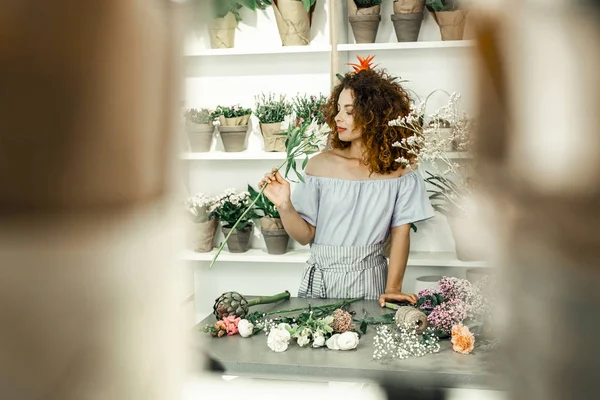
x=393, y=295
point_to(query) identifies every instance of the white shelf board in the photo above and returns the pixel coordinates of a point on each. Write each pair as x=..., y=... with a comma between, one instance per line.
x=406, y=45
x=262, y=51
x=426, y=259
x=242, y=155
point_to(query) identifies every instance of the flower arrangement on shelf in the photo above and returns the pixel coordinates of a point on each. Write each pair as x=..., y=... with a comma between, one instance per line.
x=301, y=140
x=226, y=16
x=308, y=108
x=200, y=210
x=275, y=236
x=271, y=112
x=236, y=214
x=294, y=19
x=233, y=126
x=199, y=127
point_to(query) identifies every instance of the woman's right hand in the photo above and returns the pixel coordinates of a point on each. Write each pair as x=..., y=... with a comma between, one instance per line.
x=277, y=190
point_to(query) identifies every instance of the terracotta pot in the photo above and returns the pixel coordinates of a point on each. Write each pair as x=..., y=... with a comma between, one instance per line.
x=222, y=32
x=204, y=235
x=273, y=136
x=451, y=23
x=276, y=240
x=239, y=241
x=234, y=137
x=407, y=26
x=200, y=136
x=293, y=22
x=409, y=6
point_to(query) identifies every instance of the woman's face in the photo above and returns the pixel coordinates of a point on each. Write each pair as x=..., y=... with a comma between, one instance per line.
x=344, y=119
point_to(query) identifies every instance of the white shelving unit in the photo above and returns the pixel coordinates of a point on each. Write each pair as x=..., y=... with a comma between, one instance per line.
x=258, y=63
x=299, y=256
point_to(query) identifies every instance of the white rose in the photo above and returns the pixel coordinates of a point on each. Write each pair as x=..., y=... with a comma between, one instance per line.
x=347, y=340
x=303, y=340
x=318, y=340
x=245, y=327
x=284, y=326
x=332, y=343
x=278, y=340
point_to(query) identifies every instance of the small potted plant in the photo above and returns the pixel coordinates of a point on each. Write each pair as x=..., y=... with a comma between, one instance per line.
x=271, y=227
x=308, y=108
x=233, y=126
x=294, y=18
x=364, y=17
x=271, y=112
x=226, y=18
x=200, y=211
x=407, y=19
x=229, y=207
x=450, y=17
x=199, y=127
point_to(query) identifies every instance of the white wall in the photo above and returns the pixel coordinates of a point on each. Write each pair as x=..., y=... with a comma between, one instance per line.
x=235, y=79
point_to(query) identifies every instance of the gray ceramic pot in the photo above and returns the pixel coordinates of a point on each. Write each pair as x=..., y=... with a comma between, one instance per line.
x=200, y=135
x=365, y=27
x=407, y=26
x=234, y=137
x=276, y=240
x=239, y=241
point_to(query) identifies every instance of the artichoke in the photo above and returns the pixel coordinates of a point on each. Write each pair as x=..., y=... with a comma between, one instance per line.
x=233, y=303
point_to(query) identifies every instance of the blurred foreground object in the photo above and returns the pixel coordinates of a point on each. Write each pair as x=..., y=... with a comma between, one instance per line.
x=539, y=152
x=89, y=301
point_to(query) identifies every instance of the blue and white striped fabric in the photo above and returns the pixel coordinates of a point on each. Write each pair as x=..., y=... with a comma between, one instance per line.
x=344, y=272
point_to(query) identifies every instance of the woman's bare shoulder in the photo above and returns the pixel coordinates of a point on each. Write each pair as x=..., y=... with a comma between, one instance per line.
x=322, y=163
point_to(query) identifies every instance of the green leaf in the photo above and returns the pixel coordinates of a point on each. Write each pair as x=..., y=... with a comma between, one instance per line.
x=413, y=227
x=339, y=76
x=363, y=327
x=440, y=298
x=304, y=163
x=420, y=301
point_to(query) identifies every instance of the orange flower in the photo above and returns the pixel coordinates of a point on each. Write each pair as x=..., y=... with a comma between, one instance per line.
x=463, y=340
x=364, y=63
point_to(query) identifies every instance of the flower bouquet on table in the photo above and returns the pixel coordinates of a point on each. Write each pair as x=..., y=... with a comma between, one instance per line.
x=429, y=137
x=301, y=140
x=201, y=212
x=233, y=126
x=232, y=209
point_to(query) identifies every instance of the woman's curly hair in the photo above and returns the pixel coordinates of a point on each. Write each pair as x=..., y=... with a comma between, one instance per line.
x=378, y=99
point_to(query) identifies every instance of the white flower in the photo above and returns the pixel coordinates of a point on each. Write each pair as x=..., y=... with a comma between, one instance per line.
x=245, y=327
x=318, y=340
x=288, y=120
x=278, y=340
x=332, y=343
x=303, y=340
x=284, y=326
x=347, y=340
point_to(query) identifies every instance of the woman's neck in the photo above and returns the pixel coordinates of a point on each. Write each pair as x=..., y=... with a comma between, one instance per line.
x=356, y=149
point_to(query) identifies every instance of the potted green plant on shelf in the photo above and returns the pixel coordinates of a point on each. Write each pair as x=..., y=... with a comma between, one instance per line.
x=236, y=221
x=364, y=17
x=407, y=19
x=294, y=18
x=199, y=127
x=450, y=16
x=226, y=18
x=200, y=211
x=271, y=112
x=271, y=227
x=452, y=188
x=233, y=126
x=309, y=108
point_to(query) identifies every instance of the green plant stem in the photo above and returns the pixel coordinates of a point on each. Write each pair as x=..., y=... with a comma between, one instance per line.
x=332, y=305
x=269, y=299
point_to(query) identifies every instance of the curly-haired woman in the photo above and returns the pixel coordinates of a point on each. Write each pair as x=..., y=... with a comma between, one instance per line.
x=356, y=195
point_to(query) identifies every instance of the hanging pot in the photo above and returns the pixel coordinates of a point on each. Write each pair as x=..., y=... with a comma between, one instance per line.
x=234, y=137
x=273, y=136
x=407, y=26
x=222, y=32
x=451, y=23
x=239, y=241
x=293, y=22
x=200, y=136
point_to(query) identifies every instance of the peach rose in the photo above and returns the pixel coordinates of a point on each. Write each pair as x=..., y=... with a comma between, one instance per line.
x=463, y=340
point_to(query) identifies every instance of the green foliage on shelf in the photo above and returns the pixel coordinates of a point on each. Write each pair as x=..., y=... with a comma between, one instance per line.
x=443, y=5
x=269, y=109
x=366, y=3
x=309, y=107
x=263, y=204
x=202, y=116
x=230, y=111
x=222, y=7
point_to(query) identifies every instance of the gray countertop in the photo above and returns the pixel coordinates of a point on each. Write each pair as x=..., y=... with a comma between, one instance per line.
x=251, y=357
